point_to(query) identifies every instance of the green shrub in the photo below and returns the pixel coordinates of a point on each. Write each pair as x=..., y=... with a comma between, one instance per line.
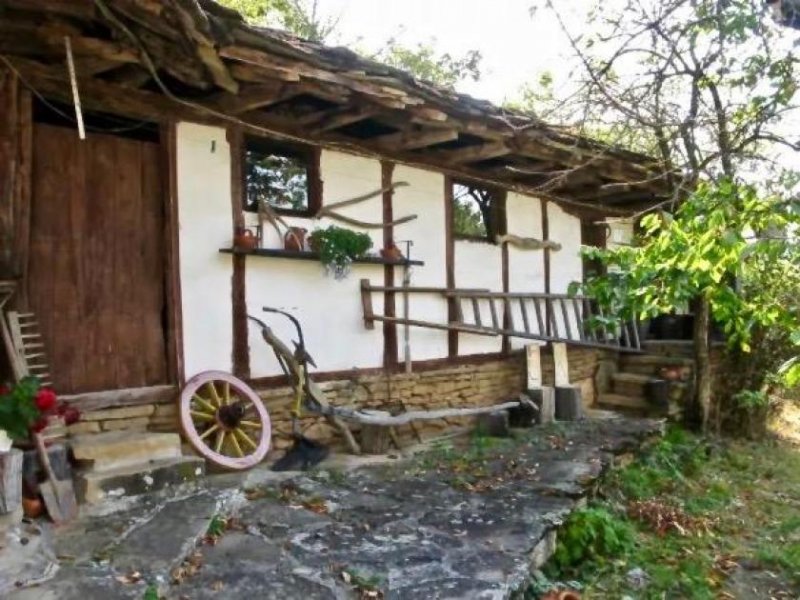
x=592, y=536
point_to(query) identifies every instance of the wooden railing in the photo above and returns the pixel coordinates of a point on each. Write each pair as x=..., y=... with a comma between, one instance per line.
x=534, y=316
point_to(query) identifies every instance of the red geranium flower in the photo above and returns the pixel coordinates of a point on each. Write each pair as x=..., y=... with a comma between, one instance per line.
x=71, y=415
x=45, y=399
x=4, y=390
x=39, y=424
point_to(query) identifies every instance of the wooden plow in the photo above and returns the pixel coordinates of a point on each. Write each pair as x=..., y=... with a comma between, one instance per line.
x=532, y=316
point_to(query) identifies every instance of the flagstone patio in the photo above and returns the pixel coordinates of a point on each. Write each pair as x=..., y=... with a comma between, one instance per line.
x=464, y=519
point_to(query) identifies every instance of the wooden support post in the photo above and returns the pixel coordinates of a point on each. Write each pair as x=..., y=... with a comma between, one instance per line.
x=241, y=348
x=544, y=399
x=450, y=265
x=389, y=297
x=533, y=364
x=561, y=364
x=366, y=304
x=545, y=238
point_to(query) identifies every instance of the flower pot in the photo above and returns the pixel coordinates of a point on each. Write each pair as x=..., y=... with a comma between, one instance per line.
x=245, y=239
x=32, y=508
x=295, y=239
x=392, y=253
x=5, y=441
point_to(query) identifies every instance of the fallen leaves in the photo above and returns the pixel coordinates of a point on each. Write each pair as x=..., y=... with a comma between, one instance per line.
x=188, y=568
x=664, y=518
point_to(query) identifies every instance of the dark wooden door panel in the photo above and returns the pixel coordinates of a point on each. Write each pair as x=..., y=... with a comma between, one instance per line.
x=96, y=273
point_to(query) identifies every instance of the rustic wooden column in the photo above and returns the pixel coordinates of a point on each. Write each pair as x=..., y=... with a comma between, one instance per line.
x=241, y=348
x=16, y=155
x=450, y=264
x=389, y=298
x=546, y=237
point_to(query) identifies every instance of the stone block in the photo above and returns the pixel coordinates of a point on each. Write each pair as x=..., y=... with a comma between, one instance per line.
x=544, y=399
x=92, y=487
x=119, y=424
x=569, y=403
x=494, y=424
x=124, y=412
x=118, y=449
x=83, y=427
x=166, y=410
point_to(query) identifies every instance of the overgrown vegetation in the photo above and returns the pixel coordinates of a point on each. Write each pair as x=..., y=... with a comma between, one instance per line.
x=687, y=520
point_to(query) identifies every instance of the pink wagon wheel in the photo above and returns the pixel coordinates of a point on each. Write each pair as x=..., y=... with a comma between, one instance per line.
x=224, y=420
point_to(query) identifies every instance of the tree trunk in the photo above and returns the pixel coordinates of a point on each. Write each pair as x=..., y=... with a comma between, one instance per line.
x=702, y=398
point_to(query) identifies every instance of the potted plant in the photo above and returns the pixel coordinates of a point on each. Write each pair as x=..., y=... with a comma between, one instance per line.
x=27, y=407
x=338, y=248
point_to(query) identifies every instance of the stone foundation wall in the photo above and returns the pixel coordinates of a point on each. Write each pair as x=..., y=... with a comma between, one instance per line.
x=478, y=382
x=445, y=386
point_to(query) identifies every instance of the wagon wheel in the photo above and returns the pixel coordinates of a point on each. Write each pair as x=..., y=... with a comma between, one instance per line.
x=224, y=420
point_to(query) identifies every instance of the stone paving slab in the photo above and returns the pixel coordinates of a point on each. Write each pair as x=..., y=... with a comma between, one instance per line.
x=448, y=524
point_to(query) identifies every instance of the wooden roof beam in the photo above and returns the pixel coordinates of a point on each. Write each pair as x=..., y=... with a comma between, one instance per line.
x=335, y=118
x=414, y=140
x=252, y=97
x=473, y=154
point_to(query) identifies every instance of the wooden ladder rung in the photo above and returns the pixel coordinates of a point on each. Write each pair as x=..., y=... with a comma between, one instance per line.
x=32, y=356
x=32, y=346
x=30, y=336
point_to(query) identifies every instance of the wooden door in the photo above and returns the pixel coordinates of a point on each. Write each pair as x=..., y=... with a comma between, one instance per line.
x=96, y=265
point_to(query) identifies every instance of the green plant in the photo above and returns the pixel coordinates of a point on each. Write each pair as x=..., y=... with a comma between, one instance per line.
x=27, y=406
x=338, y=247
x=151, y=593
x=592, y=536
x=216, y=526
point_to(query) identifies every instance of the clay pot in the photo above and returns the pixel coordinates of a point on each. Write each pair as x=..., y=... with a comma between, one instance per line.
x=245, y=239
x=295, y=239
x=392, y=253
x=32, y=508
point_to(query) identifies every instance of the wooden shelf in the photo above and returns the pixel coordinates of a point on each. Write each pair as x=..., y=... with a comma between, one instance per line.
x=278, y=253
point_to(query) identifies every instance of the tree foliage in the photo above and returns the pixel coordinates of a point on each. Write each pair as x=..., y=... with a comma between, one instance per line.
x=425, y=62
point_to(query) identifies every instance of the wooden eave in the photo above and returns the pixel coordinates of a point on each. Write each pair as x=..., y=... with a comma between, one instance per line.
x=196, y=60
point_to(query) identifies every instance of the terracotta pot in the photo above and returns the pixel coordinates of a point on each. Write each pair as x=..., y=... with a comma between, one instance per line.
x=245, y=239
x=32, y=508
x=392, y=253
x=295, y=239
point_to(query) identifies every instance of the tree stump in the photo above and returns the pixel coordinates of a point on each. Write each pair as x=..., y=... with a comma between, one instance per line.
x=10, y=481
x=524, y=415
x=569, y=403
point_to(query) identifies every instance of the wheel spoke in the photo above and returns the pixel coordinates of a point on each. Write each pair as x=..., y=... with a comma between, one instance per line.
x=226, y=392
x=203, y=416
x=238, y=433
x=214, y=394
x=204, y=403
x=250, y=424
x=236, y=447
x=220, y=441
x=209, y=431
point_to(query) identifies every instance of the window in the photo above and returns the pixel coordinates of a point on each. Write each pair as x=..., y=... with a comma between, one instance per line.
x=284, y=176
x=478, y=212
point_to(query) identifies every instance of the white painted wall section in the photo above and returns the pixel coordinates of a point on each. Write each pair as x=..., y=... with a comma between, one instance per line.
x=329, y=310
x=566, y=265
x=424, y=196
x=479, y=265
x=204, y=217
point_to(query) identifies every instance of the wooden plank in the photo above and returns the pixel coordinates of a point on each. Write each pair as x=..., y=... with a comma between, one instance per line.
x=578, y=320
x=539, y=320
x=565, y=315
x=476, y=310
x=336, y=118
x=450, y=264
x=561, y=364
x=533, y=366
x=366, y=305
x=414, y=140
x=473, y=154
x=174, y=310
x=493, y=312
x=525, y=322
x=252, y=97
x=241, y=346
x=158, y=394
x=390, y=352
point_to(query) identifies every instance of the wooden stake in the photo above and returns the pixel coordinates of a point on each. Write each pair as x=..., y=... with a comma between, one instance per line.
x=73, y=80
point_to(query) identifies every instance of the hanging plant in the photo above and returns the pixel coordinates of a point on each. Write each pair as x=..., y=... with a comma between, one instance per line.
x=338, y=248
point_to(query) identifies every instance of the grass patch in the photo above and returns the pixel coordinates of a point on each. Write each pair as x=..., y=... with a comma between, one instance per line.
x=681, y=518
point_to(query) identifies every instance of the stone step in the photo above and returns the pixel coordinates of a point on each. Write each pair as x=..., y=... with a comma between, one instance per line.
x=658, y=360
x=630, y=384
x=613, y=401
x=111, y=450
x=92, y=486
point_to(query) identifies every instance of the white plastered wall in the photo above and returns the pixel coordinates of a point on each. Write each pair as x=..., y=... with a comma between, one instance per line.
x=566, y=265
x=525, y=267
x=424, y=196
x=479, y=264
x=329, y=310
x=204, y=217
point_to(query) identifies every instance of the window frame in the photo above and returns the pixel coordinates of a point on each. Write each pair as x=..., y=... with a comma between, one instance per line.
x=497, y=208
x=309, y=154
